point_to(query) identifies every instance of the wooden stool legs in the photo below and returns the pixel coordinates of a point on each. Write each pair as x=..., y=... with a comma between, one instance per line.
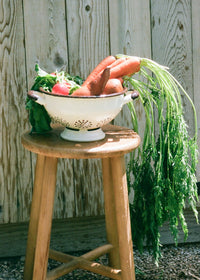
x=117, y=221
x=117, y=216
x=40, y=219
x=109, y=205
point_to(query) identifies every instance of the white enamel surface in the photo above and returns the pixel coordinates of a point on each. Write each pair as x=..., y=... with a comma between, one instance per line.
x=82, y=113
x=82, y=135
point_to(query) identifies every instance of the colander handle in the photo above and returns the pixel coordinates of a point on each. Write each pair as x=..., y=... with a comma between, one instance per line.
x=131, y=96
x=36, y=96
x=134, y=94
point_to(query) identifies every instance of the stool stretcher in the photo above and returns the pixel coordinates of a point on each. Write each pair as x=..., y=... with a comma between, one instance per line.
x=82, y=262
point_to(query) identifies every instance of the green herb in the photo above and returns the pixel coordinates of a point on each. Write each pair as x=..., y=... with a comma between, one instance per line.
x=74, y=81
x=38, y=116
x=163, y=170
x=43, y=79
x=78, y=80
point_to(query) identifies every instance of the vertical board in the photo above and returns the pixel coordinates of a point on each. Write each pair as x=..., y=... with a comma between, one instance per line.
x=196, y=64
x=88, y=34
x=15, y=178
x=130, y=31
x=172, y=44
x=46, y=44
x=130, y=34
x=75, y=36
x=88, y=42
x=45, y=36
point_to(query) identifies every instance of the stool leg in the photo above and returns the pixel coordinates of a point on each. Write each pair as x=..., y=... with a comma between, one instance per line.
x=109, y=205
x=123, y=217
x=40, y=219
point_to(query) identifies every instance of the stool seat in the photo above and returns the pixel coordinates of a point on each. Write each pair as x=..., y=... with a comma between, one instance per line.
x=49, y=147
x=118, y=141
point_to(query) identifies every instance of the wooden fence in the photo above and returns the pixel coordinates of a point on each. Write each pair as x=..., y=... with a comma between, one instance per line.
x=75, y=35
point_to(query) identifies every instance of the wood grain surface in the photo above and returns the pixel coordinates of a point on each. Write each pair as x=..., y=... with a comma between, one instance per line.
x=75, y=36
x=172, y=30
x=15, y=167
x=66, y=235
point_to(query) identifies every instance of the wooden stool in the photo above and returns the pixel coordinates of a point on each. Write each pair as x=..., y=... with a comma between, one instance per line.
x=49, y=147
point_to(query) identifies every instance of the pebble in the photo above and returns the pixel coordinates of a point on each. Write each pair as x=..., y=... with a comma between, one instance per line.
x=182, y=262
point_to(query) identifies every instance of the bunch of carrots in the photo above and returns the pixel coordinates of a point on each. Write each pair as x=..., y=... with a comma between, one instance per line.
x=107, y=76
x=164, y=166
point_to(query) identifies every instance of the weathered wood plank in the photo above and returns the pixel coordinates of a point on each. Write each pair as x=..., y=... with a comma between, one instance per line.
x=75, y=36
x=88, y=44
x=70, y=235
x=45, y=36
x=196, y=62
x=175, y=43
x=46, y=44
x=88, y=34
x=193, y=230
x=129, y=29
x=15, y=179
x=172, y=44
x=64, y=205
x=79, y=234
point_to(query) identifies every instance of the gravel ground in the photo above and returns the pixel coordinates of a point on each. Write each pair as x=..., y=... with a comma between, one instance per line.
x=182, y=262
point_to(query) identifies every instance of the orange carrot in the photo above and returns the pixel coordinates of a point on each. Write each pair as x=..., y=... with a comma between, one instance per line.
x=128, y=67
x=121, y=80
x=113, y=86
x=101, y=66
x=118, y=61
x=82, y=91
x=97, y=85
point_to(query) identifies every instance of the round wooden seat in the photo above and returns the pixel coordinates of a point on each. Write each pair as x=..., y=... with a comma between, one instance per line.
x=118, y=141
x=49, y=147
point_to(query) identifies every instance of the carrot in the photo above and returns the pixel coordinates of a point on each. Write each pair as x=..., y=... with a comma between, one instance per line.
x=118, y=61
x=82, y=91
x=128, y=67
x=101, y=66
x=121, y=80
x=97, y=85
x=113, y=86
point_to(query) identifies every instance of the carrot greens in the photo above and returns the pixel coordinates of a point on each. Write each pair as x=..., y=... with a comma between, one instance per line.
x=162, y=172
x=38, y=116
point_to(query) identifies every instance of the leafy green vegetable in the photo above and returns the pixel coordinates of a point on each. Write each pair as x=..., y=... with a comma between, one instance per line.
x=38, y=116
x=74, y=81
x=78, y=80
x=164, y=167
x=162, y=171
x=40, y=72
